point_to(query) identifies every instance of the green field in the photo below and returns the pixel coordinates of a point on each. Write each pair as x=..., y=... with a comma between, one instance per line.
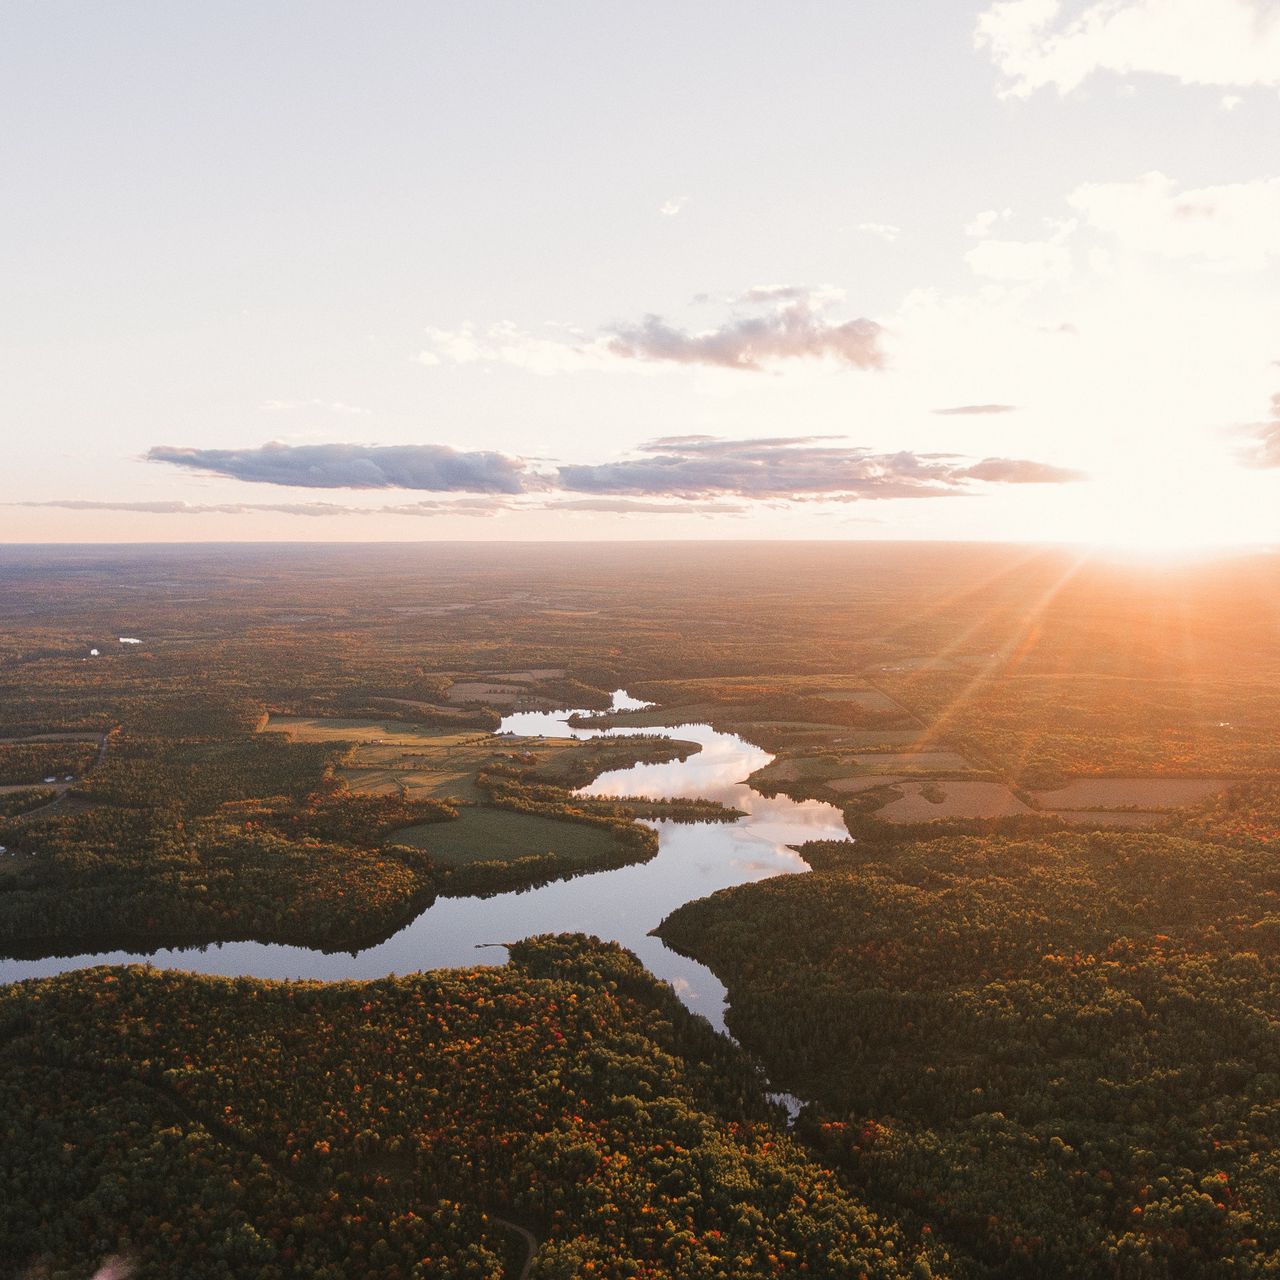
x=498, y=835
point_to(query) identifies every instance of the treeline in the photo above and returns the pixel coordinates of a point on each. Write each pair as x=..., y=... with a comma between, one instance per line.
x=234, y=1128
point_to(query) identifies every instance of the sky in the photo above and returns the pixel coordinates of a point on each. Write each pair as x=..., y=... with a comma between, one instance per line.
x=337, y=271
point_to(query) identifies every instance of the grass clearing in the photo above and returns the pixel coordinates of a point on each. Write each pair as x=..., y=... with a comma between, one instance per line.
x=503, y=695
x=442, y=764
x=913, y=762
x=867, y=699
x=335, y=729
x=1104, y=818
x=921, y=801
x=871, y=739
x=499, y=835
x=868, y=782
x=1131, y=793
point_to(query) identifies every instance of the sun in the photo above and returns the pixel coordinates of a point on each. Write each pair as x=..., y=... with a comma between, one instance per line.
x=1179, y=510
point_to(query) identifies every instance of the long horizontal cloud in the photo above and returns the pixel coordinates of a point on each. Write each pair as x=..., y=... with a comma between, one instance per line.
x=792, y=331
x=694, y=468
x=808, y=467
x=434, y=467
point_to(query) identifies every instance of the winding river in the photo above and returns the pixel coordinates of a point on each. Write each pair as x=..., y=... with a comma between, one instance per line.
x=693, y=860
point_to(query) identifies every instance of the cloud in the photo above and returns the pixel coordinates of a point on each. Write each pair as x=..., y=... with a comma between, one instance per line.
x=771, y=322
x=1236, y=224
x=779, y=293
x=1209, y=42
x=807, y=467
x=1263, y=451
x=793, y=327
x=982, y=223
x=1020, y=261
x=698, y=472
x=433, y=467
x=968, y=410
x=885, y=230
x=456, y=507
x=670, y=208
x=1020, y=471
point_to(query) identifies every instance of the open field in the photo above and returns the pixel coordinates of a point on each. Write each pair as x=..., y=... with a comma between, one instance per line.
x=1103, y=819
x=868, y=699
x=488, y=835
x=362, y=730
x=921, y=801
x=847, y=772
x=502, y=695
x=389, y=755
x=913, y=762
x=440, y=764
x=1131, y=793
x=530, y=676
x=855, y=786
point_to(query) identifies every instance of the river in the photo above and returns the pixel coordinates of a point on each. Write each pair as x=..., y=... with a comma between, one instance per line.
x=693, y=860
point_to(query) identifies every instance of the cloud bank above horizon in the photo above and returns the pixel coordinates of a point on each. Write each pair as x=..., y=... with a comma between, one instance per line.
x=687, y=469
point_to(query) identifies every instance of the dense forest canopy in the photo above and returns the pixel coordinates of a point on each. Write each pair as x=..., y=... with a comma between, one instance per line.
x=1031, y=1010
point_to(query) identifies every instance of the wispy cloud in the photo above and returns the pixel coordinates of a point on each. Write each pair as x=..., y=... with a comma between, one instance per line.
x=792, y=325
x=975, y=410
x=885, y=231
x=1210, y=42
x=1019, y=471
x=768, y=324
x=433, y=467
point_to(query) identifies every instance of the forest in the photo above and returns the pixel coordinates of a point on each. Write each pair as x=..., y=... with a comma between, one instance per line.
x=1059, y=1053
x=404, y=1128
